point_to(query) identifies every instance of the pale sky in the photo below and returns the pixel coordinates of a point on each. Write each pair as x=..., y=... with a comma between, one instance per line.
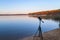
x=26, y=6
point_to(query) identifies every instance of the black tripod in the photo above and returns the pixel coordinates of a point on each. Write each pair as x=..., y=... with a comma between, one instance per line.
x=39, y=31
x=59, y=23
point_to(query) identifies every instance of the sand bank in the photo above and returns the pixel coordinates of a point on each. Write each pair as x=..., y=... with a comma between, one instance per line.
x=50, y=35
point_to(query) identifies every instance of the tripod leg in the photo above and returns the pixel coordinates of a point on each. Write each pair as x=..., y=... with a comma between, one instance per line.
x=40, y=33
x=34, y=37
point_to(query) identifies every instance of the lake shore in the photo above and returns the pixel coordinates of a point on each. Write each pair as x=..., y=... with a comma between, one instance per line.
x=50, y=35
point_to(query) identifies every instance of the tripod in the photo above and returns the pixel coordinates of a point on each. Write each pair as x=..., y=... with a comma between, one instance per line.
x=39, y=31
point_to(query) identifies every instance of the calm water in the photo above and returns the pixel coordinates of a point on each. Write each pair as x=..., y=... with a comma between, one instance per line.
x=17, y=27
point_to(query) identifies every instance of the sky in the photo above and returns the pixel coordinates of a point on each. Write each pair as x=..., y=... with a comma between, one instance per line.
x=27, y=6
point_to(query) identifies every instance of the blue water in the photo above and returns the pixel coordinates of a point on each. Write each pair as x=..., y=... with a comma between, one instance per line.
x=17, y=27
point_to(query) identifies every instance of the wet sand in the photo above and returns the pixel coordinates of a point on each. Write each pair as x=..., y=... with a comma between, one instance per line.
x=50, y=35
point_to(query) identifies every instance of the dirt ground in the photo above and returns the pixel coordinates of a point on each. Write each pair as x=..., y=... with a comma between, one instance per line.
x=50, y=35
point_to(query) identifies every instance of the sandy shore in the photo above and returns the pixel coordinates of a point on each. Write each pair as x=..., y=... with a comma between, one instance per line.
x=51, y=35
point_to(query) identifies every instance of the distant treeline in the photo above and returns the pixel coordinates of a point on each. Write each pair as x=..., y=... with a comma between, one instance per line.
x=49, y=13
x=12, y=14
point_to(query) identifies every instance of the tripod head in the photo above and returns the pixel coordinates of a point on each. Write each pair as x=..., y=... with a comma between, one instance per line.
x=40, y=19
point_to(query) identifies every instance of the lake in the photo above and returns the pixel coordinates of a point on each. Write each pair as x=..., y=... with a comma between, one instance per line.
x=18, y=27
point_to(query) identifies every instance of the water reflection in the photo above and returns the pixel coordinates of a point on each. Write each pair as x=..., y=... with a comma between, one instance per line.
x=58, y=20
x=17, y=27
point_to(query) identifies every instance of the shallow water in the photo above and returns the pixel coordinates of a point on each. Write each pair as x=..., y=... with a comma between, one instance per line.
x=17, y=27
